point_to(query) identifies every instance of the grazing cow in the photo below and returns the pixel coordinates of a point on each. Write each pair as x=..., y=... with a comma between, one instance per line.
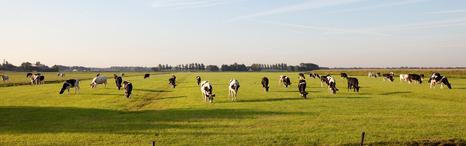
x=390, y=77
x=172, y=81
x=285, y=80
x=71, y=83
x=36, y=79
x=414, y=77
x=343, y=75
x=404, y=77
x=436, y=78
x=146, y=76
x=301, y=76
x=98, y=80
x=233, y=89
x=265, y=83
x=5, y=78
x=60, y=74
x=323, y=79
x=198, y=80
x=128, y=88
x=353, y=83
x=332, y=84
x=118, y=81
x=302, y=88
x=206, y=90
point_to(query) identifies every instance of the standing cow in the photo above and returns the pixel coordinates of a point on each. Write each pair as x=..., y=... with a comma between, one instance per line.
x=198, y=80
x=302, y=88
x=36, y=79
x=128, y=88
x=343, y=75
x=146, y=76
x=389, y=77
x=4, y=78
x=172, y=81
x=233, y=89
x=265, y=83
x=285, y=80
x=206, y=90
x=71, y=83
x=118, y=81
x=332, y=84
x=414, y=77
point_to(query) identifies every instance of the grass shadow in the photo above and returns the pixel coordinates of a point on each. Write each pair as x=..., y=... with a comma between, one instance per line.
x=24, y=119
x=396, y=92
x=271, y=99
x=151, y=90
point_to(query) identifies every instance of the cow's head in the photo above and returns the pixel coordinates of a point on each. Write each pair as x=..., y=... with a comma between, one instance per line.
x=65, y=86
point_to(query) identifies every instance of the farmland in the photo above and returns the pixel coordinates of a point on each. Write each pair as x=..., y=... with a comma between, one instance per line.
x=389, y=112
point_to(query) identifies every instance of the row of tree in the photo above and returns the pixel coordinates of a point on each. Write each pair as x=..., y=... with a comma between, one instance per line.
x=28, y=67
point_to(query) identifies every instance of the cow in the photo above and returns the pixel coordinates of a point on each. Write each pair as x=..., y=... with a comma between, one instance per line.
x=71, y=83
x=372, y=75
x=146, y=76
x=324, y=79
x=332, y=84
x=343, y=75
x=172, y=81
x=198, y=80
x=233, y=89
x=60, y=74
x=353, y=83
x=301, y=76
x=436, y=78
x=4, y=78
x=314, y=75
x=302, y=88
x=128, y=88
x=206, y=90
x=389, y=77
x=118, y=80
x=404, y=77
x=265, y=83
x=98, y=80
x=414, y=77
x=36, y=79
x=285, y=80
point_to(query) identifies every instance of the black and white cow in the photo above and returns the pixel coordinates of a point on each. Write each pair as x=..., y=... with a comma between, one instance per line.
x=414, y=77
x=71, y=83
x=332, y=84
x=172, y=81
x=314, y=75
x=324, y=79
x=265, y=83
x=343, y=75
x=36, y=79
x=389, y=77
x=436, y=78
x=60, y=74
x=353, y=83
x=98, y=80
x=146, y=76
x=128, y=88
x=118, y=81
x=206, y=90
x=285, y=80
x=301, y=76
x=198, y=80
x=372, y=75
x=5, y=78
x=302, y=88
x=233, y=89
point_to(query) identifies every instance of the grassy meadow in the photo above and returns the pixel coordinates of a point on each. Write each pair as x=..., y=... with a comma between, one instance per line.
x=389, y=112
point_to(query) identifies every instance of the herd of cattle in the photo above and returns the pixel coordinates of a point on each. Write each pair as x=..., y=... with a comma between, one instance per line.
x=207, y=90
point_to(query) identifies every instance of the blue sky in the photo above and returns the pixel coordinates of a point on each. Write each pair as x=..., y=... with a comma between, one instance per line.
x=335, y=33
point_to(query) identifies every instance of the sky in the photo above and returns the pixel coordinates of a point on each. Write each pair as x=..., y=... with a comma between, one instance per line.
x=332, y=33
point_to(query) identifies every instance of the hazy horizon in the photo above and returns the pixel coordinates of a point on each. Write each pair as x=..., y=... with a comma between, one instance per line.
x=330, y=33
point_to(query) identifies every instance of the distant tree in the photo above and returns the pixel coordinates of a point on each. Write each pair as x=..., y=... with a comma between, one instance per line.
x=212, y=68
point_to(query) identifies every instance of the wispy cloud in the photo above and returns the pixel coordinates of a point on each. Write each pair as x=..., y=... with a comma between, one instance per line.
x=448, y=12
x=183, y=4
x=327, y=30
x=383, y=5
x=426, y=25
x=296, y=7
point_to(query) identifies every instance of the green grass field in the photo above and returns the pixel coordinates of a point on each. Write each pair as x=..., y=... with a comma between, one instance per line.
x=388, y=112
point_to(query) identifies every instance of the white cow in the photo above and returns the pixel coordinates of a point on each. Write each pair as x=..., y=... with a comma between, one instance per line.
x=206, y=90
x=99, y=80
x=404, y=77
x=233, y=89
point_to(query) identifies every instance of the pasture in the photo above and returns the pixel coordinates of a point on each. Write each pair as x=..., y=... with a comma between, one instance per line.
x=389, y=112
